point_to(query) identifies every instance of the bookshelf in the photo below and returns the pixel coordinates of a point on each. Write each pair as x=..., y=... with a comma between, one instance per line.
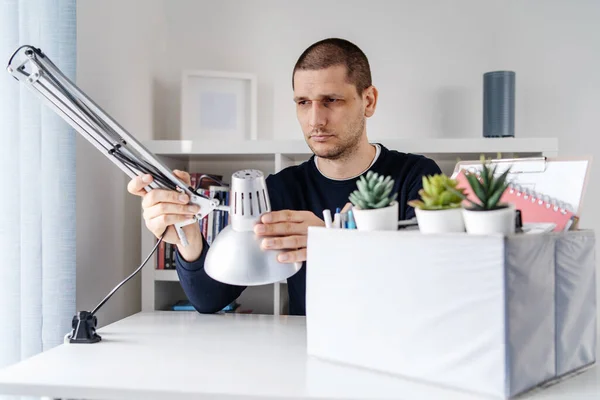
x=160, y=288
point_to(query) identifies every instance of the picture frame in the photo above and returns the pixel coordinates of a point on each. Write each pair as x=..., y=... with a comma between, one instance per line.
x=218, y=105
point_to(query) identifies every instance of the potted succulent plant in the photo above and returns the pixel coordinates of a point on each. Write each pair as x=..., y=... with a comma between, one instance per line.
x=487, y=214
x=374, y=205
x=440, y=208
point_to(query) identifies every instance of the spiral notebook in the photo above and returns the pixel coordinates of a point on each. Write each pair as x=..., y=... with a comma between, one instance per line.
x=545, y=190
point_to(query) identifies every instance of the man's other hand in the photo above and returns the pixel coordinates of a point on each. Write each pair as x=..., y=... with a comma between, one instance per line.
x=287, y=230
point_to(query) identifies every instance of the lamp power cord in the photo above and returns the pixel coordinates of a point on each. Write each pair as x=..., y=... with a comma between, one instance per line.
x=88, y=318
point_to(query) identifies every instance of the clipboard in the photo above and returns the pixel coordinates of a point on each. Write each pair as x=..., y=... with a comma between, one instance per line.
x=562, y=181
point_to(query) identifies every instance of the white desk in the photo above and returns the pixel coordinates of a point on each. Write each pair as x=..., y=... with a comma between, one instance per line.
x=185, y=355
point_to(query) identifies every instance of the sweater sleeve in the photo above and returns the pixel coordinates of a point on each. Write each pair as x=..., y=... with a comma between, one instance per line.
x=206, y=294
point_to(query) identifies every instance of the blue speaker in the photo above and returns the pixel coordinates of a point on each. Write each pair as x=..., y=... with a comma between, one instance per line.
x=499, y=104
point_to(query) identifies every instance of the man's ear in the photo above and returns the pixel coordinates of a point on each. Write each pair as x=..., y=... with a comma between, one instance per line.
x=370, y=98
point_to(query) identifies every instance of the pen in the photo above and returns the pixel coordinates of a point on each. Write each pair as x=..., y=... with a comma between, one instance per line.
x=351, y=222
x=344, y=220
x=327, y=218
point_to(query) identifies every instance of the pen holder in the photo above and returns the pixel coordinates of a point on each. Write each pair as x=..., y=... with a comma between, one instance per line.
x=491, y=314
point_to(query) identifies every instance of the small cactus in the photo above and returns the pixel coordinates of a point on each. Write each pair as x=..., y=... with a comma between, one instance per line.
x=439, y=192
x=489, y=189
x=373, y=191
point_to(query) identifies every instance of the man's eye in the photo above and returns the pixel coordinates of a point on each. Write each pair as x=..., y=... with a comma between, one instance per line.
x=330, y=100
x=302, y=103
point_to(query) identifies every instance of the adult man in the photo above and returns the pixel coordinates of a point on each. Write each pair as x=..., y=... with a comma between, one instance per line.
x=334, y=96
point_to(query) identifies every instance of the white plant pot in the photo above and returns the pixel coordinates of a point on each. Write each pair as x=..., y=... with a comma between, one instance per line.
x=440, y=221
x=379, y=219
x=489, y=222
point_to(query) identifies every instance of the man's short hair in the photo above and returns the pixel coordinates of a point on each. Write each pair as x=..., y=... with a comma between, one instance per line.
x=333, y=51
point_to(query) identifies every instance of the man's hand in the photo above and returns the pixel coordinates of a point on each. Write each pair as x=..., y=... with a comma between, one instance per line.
x=163, y=208
x=287, y=230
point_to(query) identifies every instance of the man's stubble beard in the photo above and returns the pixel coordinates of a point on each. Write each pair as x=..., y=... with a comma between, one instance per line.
x=347, y=147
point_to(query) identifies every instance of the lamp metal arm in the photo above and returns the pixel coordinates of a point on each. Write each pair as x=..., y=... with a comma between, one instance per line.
x=31, y=67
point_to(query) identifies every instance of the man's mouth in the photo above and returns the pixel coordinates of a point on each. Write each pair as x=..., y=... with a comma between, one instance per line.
x=321, y=137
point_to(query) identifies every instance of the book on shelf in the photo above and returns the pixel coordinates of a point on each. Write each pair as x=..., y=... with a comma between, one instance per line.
x=165, y=256
x=210, y=226
x=233, y=308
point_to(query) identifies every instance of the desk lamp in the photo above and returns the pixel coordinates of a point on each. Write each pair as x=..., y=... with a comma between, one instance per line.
x=235, y=256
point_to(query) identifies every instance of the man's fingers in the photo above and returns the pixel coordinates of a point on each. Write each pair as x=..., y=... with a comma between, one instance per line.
x=183, y=175
x=162, y=195
x=286, y=242
x=160, y=223
x=281, y=229
x=346, y=207
x=284, y=216
x=136, y=185
x=292, y=256
x=170, y=208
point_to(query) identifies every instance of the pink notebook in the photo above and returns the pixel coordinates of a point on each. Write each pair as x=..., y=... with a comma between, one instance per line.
x=533, y=209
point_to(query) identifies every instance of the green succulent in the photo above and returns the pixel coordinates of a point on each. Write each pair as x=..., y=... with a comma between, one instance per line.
x=488, y=189
x=373, y=191
x=439, y=192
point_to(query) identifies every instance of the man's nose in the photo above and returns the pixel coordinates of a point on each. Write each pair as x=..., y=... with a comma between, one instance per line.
x=318, y=115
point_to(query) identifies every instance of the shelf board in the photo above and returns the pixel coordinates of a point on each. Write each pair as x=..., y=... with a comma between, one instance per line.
x=226, y=148
x=298, y=149
x=169, y=275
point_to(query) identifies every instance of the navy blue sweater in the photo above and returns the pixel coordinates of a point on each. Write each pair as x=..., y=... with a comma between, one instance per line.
x=303, y=187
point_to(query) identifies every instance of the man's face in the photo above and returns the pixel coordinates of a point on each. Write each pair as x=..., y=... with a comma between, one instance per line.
x=330, y=111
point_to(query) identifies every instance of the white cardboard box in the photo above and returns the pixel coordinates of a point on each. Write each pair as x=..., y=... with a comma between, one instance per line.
x=488, y=314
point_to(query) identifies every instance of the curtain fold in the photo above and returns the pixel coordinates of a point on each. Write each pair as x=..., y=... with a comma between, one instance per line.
x=10, y=226
x=58, y=184
x=37, y=204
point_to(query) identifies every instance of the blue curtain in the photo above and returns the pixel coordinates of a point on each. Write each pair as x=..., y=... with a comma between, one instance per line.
x=37, y=200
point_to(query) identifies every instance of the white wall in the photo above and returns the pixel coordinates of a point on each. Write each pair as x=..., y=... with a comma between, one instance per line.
x=427, y=59
x=115, y=50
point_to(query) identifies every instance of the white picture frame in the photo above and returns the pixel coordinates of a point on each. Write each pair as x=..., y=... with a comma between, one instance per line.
x=218, y=105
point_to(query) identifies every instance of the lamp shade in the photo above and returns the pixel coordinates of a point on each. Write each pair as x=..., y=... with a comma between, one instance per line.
x=235, y=255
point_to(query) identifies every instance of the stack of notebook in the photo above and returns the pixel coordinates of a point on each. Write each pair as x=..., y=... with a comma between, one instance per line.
x=545, y=190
